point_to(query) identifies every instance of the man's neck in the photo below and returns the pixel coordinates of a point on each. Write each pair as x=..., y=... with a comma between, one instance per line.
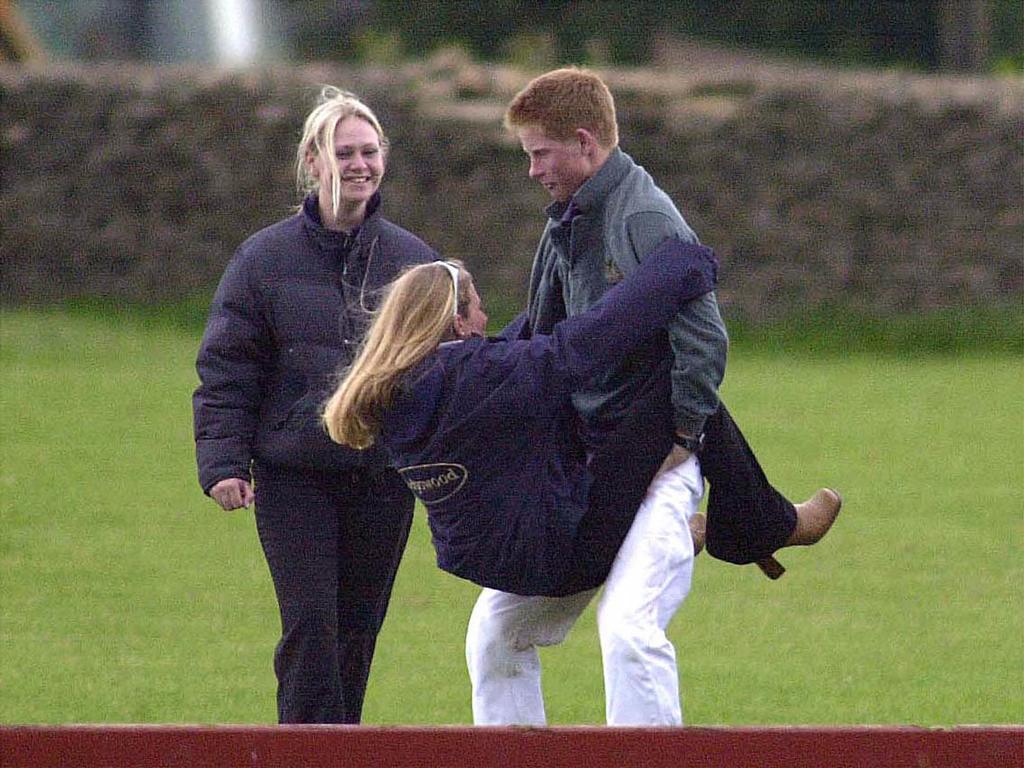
x=600, y=158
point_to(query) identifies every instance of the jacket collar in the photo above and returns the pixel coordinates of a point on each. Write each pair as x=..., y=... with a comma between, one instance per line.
x=332, y=240
x=594, y=190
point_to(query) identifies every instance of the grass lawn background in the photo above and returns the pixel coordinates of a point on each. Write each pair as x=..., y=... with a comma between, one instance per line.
x=128, y=596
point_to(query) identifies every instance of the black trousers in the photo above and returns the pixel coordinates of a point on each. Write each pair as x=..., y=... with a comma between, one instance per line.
x=621, y=470
x=747, y=518
x=333, y=545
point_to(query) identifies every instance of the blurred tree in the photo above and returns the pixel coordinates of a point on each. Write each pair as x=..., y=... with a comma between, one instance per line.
x=955, y=35
x=17, y=40
x=327, y=29
x=489, y=30
x=922, y=34
x=1008, y=36
x=878, y=32
x=964, y=35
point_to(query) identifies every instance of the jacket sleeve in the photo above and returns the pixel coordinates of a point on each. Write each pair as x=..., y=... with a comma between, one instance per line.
x=518, y=328
x=671, y=276
x=697, y=334
x=232, y=363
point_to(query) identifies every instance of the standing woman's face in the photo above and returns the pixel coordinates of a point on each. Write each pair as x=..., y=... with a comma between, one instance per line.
x=360, y=161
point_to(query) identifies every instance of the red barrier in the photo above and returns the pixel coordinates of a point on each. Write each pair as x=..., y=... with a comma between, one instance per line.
x=457, y=747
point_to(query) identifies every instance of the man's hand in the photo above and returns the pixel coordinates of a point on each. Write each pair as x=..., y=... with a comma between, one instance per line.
x=233, y=493
x=676, y=456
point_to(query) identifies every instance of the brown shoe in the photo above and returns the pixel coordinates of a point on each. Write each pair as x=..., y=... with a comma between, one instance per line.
x=698, y=527
x=814, y=517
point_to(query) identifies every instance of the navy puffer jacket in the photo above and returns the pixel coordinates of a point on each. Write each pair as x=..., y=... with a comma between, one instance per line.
x=289, y=312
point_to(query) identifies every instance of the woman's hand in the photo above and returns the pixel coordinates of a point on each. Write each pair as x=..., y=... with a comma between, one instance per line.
x=232, y=493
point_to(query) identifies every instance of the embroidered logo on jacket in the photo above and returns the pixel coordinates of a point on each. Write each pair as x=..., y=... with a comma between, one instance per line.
x=433, y=483
x=612, y=274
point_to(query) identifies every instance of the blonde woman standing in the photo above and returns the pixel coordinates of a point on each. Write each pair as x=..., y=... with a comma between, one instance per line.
x=290, y=310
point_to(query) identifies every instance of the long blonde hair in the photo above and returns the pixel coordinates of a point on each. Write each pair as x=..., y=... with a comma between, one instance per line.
x=333, y=106
x=415, y=316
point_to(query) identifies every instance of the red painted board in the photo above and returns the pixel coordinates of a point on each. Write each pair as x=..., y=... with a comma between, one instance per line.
x=89, y=746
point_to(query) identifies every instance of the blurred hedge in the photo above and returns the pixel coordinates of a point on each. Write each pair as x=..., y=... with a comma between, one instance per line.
x=883, y=193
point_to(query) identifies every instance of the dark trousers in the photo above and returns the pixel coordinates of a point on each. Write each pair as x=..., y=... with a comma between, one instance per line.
x=747, y=518
x=621, y=469
x=333, y=546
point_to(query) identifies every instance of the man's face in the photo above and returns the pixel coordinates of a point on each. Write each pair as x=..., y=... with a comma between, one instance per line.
x=561, y=167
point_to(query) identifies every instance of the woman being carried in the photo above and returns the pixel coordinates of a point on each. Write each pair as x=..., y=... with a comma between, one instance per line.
x=483, y=430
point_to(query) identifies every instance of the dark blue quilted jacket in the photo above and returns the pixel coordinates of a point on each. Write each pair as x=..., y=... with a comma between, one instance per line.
x=290, y=311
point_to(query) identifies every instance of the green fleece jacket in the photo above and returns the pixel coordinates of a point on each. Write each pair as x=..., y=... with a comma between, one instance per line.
x=612, y=222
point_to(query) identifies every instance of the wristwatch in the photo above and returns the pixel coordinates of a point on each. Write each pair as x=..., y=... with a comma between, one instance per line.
x=692, y=444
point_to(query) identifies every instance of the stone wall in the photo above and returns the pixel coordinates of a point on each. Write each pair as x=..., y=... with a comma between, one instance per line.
x=881, y=192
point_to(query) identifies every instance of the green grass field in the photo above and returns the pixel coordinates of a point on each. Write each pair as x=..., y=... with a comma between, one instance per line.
x=127, y=596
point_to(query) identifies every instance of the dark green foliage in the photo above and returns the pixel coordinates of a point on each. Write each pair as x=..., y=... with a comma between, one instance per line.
x=902, y=33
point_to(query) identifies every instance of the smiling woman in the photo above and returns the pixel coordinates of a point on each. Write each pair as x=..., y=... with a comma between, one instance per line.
x=347, y=174
x=350, y=175
x=290, y=310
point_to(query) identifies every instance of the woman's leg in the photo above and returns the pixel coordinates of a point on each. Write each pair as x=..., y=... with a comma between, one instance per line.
x=621, y=470
x=372, y=533
x=504, y=633
x=298, y=529
x=333, y=548
x=748, y=519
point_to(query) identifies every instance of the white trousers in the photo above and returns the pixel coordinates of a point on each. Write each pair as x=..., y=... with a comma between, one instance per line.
x=648, y=582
